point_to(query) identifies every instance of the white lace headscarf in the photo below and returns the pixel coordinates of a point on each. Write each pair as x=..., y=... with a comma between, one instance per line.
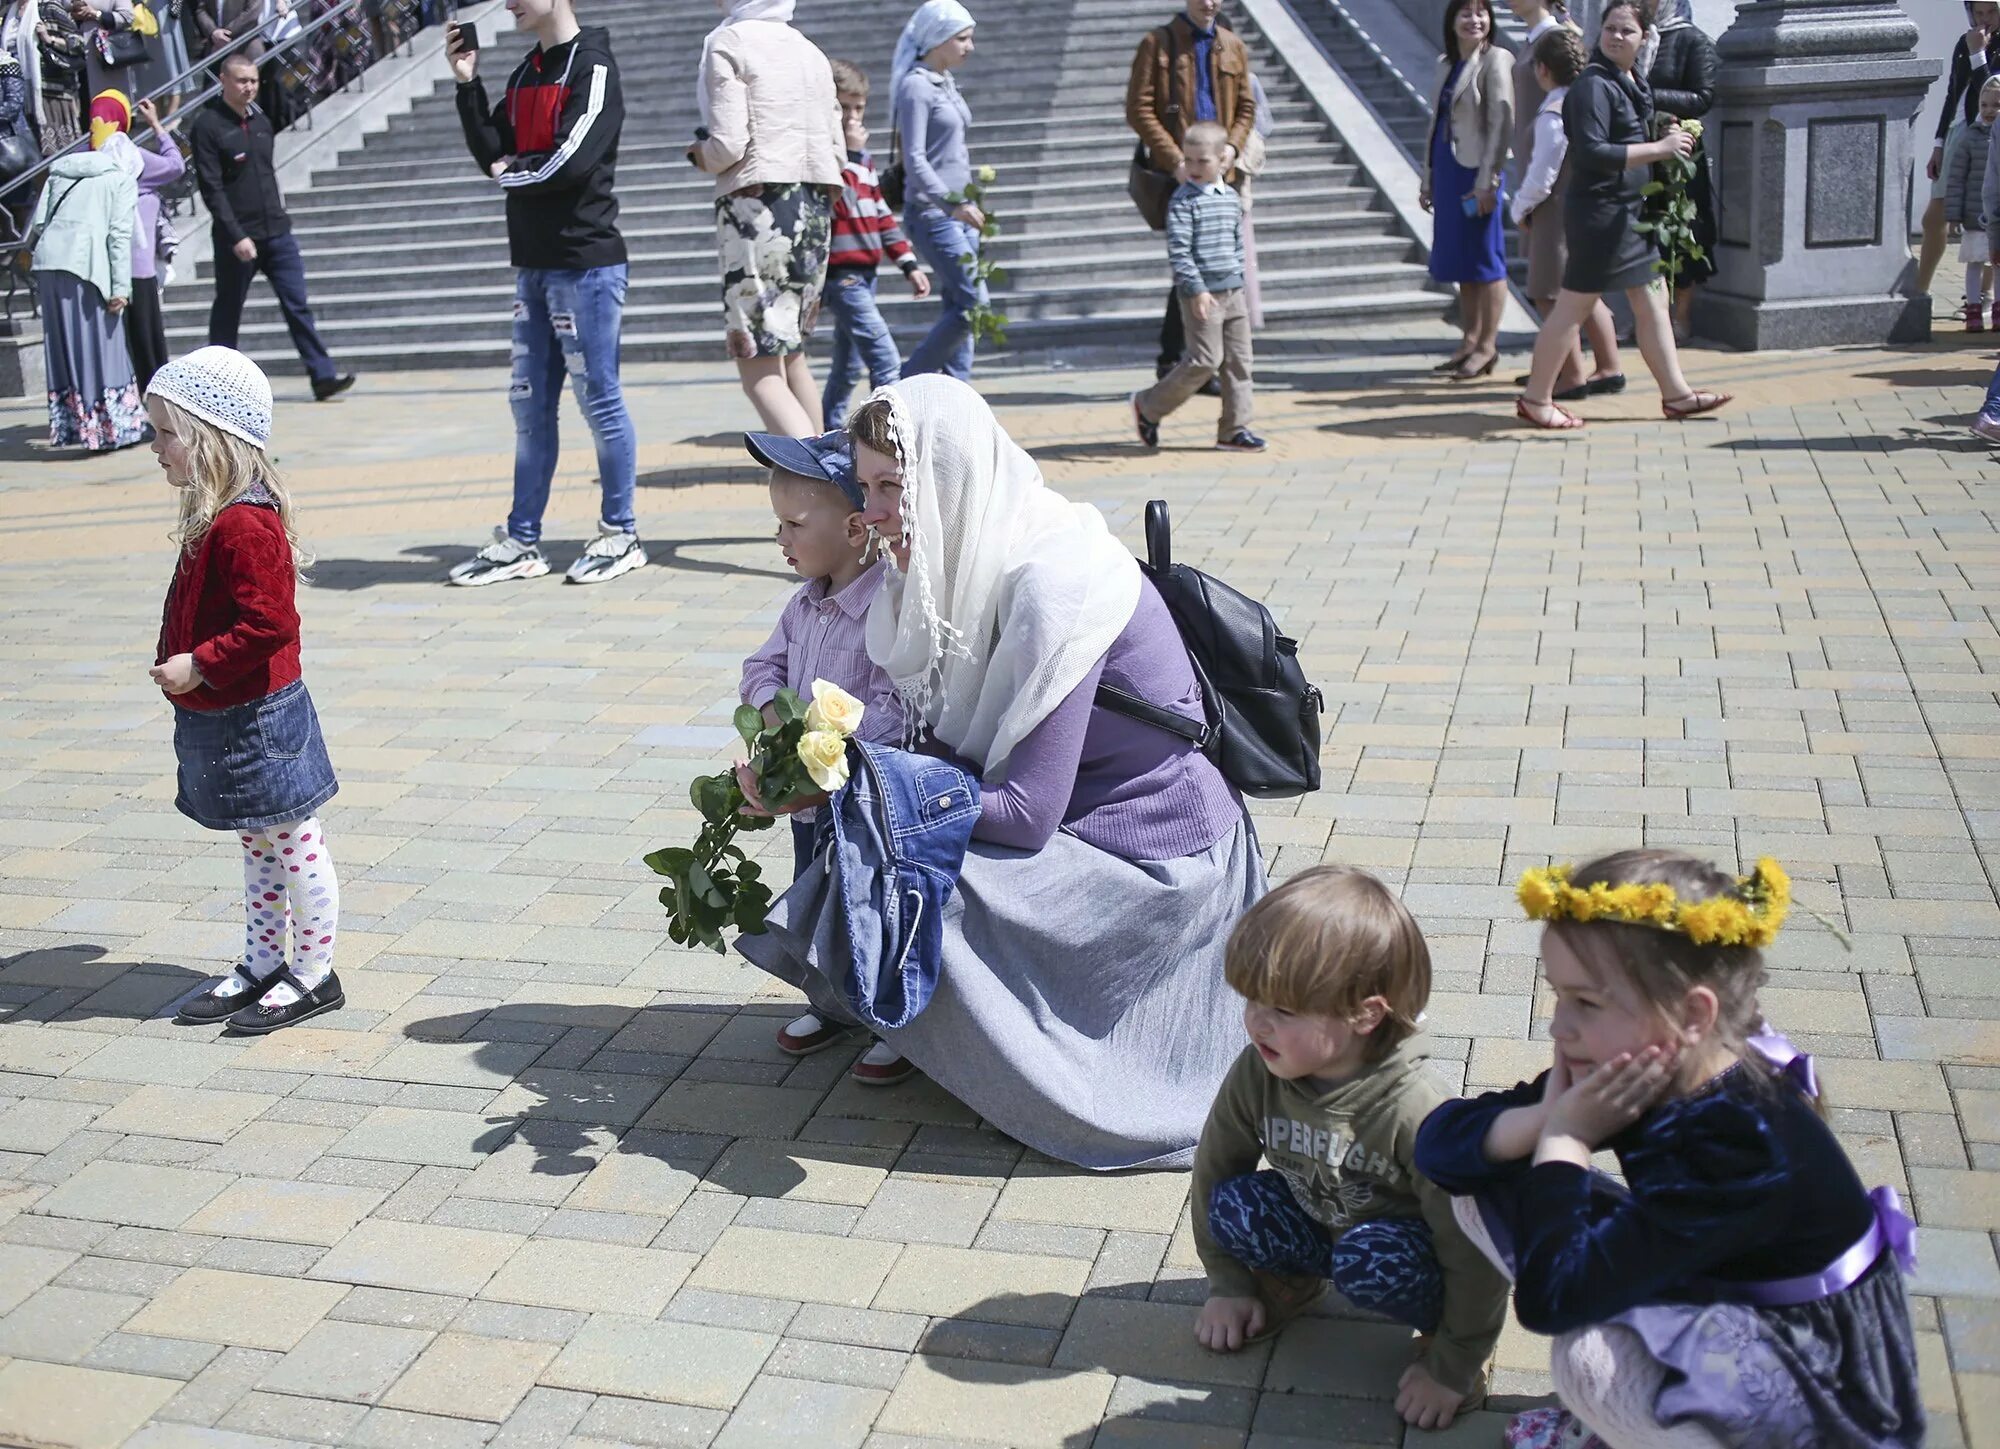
x=1012, y=594
x=778, y=10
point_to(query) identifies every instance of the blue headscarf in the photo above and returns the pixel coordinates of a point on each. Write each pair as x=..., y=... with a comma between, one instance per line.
x=934, y=22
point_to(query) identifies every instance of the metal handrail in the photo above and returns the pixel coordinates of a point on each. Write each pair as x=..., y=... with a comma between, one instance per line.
x=208, y=63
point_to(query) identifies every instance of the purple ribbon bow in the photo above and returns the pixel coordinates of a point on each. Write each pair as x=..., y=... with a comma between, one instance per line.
x=1899, y=1230
x=1785, y=1059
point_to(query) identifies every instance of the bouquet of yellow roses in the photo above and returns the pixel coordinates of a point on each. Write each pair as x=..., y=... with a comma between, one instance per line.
x=712, y=884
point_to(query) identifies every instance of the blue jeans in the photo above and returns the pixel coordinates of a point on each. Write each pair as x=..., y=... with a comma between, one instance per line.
x=949, y=248
x=860, y=340
x=568, y=321
x=1992, y=408
x=278, y=259
x=1385, y=1265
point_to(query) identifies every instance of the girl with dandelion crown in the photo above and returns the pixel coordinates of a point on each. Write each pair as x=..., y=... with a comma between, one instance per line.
x=246, y=736
x=1741, y=1287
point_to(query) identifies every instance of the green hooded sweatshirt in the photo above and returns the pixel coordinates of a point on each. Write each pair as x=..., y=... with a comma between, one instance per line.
x=1348, y=1155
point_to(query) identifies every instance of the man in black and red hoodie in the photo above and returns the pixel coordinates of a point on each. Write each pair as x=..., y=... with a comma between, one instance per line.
x=553, y=148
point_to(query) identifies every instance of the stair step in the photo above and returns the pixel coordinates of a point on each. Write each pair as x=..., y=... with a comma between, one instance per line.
x=406, y=246
x=1133, y=325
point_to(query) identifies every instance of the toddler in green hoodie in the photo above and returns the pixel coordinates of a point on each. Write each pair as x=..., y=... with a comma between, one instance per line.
x=1330, y=1092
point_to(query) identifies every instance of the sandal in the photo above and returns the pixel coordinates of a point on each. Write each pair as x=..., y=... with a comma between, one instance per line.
x=210, y=1007
x=1694, y=405
x=1553, y=419
x=257, y=1019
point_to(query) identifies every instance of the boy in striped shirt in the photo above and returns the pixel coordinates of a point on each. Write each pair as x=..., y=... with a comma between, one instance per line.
x=1205, y=247
x=864, y=229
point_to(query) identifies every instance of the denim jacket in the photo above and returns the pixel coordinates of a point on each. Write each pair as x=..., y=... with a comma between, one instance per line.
x=892, y=843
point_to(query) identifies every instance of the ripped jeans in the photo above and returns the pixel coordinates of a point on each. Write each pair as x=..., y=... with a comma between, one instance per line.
x=568, y=321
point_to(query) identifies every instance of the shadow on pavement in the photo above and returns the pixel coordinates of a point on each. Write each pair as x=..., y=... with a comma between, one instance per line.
x=699, y=477
x=1493, y=419
x=426, y=563
x=74, y=983
x=674, y=556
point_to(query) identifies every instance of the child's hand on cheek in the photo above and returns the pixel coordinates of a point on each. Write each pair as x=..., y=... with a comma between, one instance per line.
x=1425, y=1402
x=1614, y=1095
x=1226, y=1324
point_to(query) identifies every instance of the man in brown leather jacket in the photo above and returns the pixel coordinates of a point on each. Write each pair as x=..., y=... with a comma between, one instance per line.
x=1193, y=68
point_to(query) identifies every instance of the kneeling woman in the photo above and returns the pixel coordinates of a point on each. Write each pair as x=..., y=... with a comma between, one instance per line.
x=1081, y=1005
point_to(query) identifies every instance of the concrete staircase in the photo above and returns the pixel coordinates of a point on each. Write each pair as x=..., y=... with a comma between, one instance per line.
x=405, y=244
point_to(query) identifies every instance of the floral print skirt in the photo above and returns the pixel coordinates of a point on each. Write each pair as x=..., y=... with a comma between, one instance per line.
x=773, y=242
x=93, y=391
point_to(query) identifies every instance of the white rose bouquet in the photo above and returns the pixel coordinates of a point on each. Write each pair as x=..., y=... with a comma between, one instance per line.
x=712, y=884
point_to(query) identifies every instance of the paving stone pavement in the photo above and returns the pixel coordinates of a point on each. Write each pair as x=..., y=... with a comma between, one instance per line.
x=546, y=1181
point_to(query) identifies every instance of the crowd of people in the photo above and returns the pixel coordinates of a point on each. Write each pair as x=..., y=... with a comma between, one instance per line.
x=1115, y=984
x=95, y=220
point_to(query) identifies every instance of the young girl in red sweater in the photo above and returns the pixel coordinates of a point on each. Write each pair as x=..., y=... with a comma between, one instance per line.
x=247, y=739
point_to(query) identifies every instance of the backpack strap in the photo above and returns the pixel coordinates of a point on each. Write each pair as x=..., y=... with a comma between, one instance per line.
x=1119, y=701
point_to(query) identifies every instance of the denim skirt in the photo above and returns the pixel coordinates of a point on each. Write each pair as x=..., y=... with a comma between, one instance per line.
x=253, y=765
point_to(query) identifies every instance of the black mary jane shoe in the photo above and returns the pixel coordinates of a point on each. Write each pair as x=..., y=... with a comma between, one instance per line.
x=256, y=1019
x=208, y=1007
x=1598, y=386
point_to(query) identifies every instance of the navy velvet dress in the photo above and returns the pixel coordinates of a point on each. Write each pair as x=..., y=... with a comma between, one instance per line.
x=1463, y=248
x=1739, y=1183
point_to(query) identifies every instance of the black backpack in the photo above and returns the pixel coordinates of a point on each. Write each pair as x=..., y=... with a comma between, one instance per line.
x=1262, y=729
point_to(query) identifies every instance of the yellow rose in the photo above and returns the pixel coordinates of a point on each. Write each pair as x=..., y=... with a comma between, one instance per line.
x=824, y=754
x=987, y=176
x=833, y=711
x=1693, y=128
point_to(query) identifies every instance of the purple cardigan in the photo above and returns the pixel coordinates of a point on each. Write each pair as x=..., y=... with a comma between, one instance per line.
x=160, y=171
x=1125, y=787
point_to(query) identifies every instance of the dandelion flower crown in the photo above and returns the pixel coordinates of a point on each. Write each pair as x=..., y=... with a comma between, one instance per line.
x=1753, y=920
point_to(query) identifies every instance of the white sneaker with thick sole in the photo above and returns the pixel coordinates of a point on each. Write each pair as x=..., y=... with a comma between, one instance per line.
x=611, y=553
x=504, y=558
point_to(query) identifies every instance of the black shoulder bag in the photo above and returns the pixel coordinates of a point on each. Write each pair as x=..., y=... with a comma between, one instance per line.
x=1262, y=725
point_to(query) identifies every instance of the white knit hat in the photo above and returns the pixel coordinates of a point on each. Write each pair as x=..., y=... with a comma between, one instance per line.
x=221, y=385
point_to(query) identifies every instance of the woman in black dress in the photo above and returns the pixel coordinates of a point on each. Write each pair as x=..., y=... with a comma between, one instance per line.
x=1682, y=78
x=1605, y=116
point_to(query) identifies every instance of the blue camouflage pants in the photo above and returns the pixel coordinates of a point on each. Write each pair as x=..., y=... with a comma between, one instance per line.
x=1386, y=1265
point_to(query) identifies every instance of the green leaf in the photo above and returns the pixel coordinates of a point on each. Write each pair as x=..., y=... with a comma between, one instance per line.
x=753, y=904
x=749, y=871
x=749, y=722
x=789, y=708
x=702, y=887
x=669, y=860
x=710, y=795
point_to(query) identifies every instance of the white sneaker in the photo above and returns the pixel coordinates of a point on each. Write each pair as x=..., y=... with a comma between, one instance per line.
x=503, y=559
x=611, y=553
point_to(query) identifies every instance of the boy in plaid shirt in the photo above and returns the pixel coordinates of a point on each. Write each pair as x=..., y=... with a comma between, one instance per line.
x=1205, y=246
x=864, y=229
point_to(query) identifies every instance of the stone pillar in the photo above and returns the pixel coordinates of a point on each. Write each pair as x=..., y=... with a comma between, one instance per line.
x=1811, y=144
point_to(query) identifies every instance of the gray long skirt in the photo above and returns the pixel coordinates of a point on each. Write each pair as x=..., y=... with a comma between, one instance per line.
x=1081, y=1008
x=94, y=397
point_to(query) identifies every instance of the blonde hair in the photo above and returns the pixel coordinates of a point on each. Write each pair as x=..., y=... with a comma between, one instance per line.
x=1204, y=133
x=1325, y=941
x=1992, y=85
x=221, y=468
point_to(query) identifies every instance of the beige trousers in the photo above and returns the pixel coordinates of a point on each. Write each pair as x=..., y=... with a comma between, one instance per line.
x=1218, y=347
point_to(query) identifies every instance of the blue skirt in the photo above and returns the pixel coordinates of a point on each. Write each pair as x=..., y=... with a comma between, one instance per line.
x=252, y=765
x=1463, y=248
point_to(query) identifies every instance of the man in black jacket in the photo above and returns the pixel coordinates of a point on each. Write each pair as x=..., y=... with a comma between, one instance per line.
x=239, y=183
x=553, y=147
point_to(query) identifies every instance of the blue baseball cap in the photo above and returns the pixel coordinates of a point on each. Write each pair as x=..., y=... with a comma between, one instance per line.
x=830, y=457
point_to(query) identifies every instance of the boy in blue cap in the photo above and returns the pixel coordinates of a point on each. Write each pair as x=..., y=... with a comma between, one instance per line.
x=822, y=634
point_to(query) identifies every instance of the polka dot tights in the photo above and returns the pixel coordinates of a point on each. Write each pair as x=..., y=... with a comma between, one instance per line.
x=288, y=881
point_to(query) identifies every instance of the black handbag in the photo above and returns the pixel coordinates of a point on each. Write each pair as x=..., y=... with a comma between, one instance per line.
x=1149, y=189
x=1262, y=725
x=891, y=179
x=120, y=49
x=18, y=156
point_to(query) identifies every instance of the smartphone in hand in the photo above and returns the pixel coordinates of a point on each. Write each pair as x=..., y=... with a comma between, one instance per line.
x=468, y=35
